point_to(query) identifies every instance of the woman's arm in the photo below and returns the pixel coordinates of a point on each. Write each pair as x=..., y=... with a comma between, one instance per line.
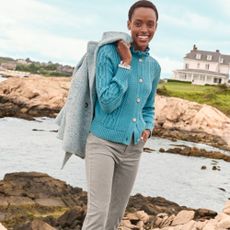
x=111, y=81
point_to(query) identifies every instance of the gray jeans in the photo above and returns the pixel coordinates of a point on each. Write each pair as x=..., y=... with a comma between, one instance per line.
x=111, y=170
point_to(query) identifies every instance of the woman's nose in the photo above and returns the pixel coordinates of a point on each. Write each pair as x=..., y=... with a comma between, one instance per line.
x=144, y=28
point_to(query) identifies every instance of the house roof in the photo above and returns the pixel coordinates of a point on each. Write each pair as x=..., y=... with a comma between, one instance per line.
x=202, y=71
x=216, y=56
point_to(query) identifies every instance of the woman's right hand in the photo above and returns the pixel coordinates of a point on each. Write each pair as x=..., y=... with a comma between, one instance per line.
x=123, y=49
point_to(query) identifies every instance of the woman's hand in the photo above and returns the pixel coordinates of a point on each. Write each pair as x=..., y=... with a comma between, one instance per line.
x=145, y=135
x=123, y=49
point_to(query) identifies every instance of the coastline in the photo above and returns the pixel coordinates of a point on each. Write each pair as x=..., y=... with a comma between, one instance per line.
x=32, y=145
x=176, y=119
x=58, y=204
x=31, y=106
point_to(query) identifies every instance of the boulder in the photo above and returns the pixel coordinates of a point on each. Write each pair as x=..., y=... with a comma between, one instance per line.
x=2, y=227
x=226, y=209
x=35, y=225
x=72, y=219
x=34, y=96
x=210, y=225
x=183, y=217
x=28, y=188
x=184, y=115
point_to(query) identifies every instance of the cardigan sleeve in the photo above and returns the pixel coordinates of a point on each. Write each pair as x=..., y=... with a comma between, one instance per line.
x=148, y=110
x=111, y=81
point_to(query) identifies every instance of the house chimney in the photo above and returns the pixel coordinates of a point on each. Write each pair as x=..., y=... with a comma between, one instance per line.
x=194, y=47
x=217, y=51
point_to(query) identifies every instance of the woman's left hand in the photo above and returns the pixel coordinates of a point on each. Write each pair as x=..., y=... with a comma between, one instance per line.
x=145, y=135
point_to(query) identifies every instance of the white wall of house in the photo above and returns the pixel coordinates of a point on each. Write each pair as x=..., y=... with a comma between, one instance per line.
x=199, y=78
x=224, y=69
x=206, y=65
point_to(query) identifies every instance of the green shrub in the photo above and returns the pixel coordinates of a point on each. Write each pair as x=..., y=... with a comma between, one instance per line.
x=173, y=80
x=163, y=91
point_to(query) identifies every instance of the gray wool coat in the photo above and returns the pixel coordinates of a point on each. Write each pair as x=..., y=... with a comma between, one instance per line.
x=75, y=117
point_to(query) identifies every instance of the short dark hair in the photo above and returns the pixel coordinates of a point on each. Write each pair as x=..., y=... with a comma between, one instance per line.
x=142, y=3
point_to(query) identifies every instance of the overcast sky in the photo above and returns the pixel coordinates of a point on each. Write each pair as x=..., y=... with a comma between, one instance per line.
x=58, y=30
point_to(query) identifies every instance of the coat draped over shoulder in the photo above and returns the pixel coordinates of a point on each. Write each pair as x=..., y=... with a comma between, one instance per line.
x=75, y=117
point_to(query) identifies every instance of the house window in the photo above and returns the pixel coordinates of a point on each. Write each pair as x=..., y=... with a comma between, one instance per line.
x=221, y=60
x=198, y=56
x=186, y=65
x=198, y=65
x=207, y=66
x=209, y=57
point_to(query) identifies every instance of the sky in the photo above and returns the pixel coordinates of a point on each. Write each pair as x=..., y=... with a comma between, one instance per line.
x=58, y=30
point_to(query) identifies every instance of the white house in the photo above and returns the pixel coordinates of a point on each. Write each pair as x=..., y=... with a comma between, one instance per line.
x=204, y=67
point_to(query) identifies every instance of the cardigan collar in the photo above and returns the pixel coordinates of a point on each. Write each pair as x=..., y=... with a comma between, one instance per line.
x=139, y=52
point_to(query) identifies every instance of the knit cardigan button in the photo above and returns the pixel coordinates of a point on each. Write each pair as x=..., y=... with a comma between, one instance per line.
x=140, y=80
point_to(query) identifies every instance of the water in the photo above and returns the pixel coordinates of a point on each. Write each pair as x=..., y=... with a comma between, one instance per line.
x=174, y=177
x=2, y=78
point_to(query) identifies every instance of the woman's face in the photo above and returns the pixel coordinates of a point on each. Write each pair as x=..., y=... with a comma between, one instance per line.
x=142, y=26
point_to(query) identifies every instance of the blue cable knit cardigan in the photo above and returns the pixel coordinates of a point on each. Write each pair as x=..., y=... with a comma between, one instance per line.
x=75, y=118
x=125, y=98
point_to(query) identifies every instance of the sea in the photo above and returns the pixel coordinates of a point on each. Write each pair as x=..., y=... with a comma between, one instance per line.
x=33, y=146
x=2, y=78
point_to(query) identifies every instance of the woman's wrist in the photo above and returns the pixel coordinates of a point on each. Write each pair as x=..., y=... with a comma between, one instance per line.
x=126, y=61
x=124, y=65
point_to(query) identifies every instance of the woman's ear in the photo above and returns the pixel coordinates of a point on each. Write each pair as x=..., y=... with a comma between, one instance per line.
x=128, y=25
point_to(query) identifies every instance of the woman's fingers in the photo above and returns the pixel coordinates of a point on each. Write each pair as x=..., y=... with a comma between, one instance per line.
x=123, y=49
x=145, y=135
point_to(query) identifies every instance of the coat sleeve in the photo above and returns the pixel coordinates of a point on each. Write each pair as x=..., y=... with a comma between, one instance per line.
x=111, y=81
x=148, y=110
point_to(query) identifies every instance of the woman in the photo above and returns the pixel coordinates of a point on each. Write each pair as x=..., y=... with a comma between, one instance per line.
x=126, y=82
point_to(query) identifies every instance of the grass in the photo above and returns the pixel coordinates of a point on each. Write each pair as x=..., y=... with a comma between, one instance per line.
x=216, y=96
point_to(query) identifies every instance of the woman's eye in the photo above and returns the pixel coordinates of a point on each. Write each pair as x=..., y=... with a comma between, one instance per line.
x=150, y=25
x=138, y=24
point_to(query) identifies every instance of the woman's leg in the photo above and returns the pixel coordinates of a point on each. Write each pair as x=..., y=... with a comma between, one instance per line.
x=99, y=172
x=123, y=179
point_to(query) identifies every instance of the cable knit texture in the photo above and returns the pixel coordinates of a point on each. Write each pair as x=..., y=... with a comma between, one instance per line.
x=125, y=98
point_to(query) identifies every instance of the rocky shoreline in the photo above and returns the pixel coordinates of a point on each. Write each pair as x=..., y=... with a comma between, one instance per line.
x=32, y=200
x=38, y=96
x=175, y=134
x=31, y=97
